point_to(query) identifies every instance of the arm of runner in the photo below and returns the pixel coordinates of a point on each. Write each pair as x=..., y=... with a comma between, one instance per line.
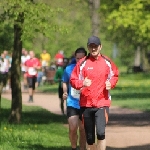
x=65, y=80
x=37, y=65
x=74, y=80
x=113, y=75
x=65, y=88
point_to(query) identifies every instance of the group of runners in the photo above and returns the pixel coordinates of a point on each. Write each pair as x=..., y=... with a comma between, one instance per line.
x=85, y=83
x=34, y=68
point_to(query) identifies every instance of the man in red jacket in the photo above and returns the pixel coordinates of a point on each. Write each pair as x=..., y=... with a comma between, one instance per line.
x=94, y=76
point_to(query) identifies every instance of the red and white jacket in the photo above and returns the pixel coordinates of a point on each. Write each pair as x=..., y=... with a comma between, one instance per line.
x=98, y=71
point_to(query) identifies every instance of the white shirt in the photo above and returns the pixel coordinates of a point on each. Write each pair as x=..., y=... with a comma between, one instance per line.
x=23, y=60
x=4, y=65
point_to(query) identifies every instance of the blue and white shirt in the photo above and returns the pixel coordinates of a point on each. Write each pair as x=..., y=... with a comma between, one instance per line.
x=73, y=96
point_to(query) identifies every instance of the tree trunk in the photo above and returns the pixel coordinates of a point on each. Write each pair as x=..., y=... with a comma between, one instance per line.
x=137, y=58
x=94, y=6
x=16, y=105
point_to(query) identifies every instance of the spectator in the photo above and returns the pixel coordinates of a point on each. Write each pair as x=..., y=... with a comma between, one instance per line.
x=4, y=64
x=4, y=69
x=6, y=54
x=39, y=77
x=58, y=78
x=45, y=59
x=59, y=58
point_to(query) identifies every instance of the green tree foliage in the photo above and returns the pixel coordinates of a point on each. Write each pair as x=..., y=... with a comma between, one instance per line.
x=74, y=28
x=6, y=37
x=128, y=24
x=68, y=26
x=135, y=15
x=38, y=16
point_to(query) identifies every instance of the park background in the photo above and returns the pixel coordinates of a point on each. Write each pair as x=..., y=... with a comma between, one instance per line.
x=122, y=26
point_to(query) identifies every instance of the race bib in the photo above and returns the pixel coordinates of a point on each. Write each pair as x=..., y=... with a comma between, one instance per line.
x=44, y=63
x=75, y=93
x=32, y=71
x=60, y=60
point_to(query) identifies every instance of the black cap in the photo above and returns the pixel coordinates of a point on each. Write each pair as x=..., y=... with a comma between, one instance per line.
x=94, y=39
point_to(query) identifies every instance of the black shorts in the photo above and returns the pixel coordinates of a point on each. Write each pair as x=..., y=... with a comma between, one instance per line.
x=95, y=117
x=3, y=78
x=31, y=82
x=71, y=111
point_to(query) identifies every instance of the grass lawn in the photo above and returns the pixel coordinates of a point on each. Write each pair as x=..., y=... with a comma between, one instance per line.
x=132, y=91
x=39, y=130
x=48, y=88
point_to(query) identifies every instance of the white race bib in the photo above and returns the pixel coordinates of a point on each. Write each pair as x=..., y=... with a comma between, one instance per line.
x=44, y=63
x=75, y=93
x=60, y=60
x=32, y=71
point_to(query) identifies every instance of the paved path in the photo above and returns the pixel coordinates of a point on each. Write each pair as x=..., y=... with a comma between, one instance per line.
x=126, y=130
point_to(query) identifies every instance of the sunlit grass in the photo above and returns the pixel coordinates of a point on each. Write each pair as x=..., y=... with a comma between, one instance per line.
x=39, y=130
x=50, y=88
x=132, y=91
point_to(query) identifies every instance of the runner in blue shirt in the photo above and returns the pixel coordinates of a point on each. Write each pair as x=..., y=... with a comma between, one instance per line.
x=73, y=107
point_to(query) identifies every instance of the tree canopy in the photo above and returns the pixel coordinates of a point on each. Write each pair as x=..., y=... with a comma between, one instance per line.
x=56, y=25
x=53, y=25
x=127, y=23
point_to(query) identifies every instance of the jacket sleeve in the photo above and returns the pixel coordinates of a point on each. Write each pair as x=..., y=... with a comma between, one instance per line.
x=74, y=79
x=114, y=73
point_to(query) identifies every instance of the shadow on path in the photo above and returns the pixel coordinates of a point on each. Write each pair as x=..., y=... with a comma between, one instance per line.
x=127, y=117
x=130, y=119
x=143, y=147
x=40, y=147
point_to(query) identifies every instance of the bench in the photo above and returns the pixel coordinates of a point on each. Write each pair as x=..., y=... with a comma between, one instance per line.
x=134, y=69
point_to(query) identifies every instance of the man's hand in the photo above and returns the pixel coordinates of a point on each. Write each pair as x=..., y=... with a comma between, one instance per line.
x=65, y=95
x=108, y=85
x=87, y=82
